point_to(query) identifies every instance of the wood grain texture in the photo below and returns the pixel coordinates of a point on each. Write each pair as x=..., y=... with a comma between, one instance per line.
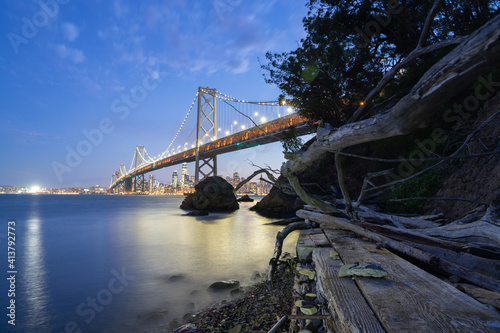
x=410, y=299
x=469, y=275
x=349, y=309
x=308, y=240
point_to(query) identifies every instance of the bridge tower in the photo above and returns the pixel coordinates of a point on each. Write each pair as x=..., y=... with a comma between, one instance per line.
x=139, y=159
x=113, y=178
x=206, y=122
x=120, y=174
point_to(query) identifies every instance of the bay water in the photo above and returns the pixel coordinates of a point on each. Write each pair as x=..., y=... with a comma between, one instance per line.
x=113, y=263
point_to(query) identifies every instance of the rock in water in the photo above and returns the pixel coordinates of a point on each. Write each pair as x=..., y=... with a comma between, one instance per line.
x=245, y=198
x=196, y=213
x=278, y=204
x=212, y=194
x=224, y=285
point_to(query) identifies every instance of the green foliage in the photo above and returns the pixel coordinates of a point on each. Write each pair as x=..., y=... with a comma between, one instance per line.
x=290, y=142
x=424, y=186
x=341, y=59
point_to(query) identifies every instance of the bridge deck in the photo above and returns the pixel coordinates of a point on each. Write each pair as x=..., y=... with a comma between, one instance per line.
x=265, y=133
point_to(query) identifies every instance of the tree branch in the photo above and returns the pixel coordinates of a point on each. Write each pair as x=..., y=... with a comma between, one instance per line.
x=464, y=144
x=428, y=159
x=390, y=74
x=476, y=55
x=341, y=181
x=428, y=22
x=302, y=193
x=441, y=198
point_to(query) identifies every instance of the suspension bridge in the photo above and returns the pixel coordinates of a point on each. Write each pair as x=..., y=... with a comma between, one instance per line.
x=223, y=124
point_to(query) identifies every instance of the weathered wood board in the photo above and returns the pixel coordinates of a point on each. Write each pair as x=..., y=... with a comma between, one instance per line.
x=362, y=228
x=410, y=299
x=348, y=307
x=308, y=240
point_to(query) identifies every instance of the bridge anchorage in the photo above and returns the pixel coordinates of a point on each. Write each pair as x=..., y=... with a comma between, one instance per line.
x=223, y=124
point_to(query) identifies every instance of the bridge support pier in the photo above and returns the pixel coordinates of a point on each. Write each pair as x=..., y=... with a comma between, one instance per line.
x=127, y=187
x=138, y=183
x=205, y=167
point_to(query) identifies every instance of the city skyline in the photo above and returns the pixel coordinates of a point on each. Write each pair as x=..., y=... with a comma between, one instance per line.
x=71, y=76
x=103, y=188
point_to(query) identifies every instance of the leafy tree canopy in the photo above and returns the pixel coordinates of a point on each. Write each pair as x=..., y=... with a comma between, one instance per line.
x=350, y=44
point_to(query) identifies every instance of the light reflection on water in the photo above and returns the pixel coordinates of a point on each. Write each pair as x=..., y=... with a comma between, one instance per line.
x=34, y=273
x=71, y=245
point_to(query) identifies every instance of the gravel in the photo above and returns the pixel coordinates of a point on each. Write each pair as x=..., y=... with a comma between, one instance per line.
x=257, y=310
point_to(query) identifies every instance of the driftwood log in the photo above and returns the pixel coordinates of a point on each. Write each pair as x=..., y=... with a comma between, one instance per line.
x=485, y=231
x=476, y=55
x=280, y=237
x=439, y=263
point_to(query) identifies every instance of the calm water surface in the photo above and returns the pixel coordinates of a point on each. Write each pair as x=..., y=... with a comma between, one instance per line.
x=105, y=263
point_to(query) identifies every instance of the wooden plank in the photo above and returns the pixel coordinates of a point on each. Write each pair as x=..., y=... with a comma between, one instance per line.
x=305, y=246
x=349, y=309
x=319, y=240
x=459, y=254
x=308, y=240
x=327, y=221
x=410, y=299
x=311, y=231
x=482, y=295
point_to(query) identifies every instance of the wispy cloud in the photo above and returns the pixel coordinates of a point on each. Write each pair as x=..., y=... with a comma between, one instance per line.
x=72, y=54
x=70, y=31
x=193, y=37
x=29, y=136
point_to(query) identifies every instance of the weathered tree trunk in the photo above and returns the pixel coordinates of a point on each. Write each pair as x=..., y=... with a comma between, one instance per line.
x=485, y=231
x=280, y=237
x=477, y=55
x=425, y=257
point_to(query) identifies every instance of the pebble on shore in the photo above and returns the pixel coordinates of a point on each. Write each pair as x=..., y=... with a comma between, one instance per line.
x=258, y=310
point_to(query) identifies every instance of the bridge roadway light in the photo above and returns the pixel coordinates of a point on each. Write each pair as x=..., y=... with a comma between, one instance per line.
x=263, y=119
x=243, y=127
x=256, y=114
x=227, y=132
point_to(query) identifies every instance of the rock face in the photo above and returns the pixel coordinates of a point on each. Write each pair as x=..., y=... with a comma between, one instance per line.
x=278, y=204
x=212, y=194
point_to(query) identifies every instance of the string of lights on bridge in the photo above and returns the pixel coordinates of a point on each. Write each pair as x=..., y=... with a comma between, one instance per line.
x=233, y=115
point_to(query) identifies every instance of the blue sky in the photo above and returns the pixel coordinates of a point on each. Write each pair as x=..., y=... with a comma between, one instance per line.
x=65, y=65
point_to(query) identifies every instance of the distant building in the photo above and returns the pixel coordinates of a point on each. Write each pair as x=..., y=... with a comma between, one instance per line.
x=174, y=181
x=151, y=183
x=184, y=175
x=253, y=188
x=236, y=179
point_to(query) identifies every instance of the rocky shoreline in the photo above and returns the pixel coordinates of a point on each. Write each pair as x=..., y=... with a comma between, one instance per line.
x=257, y=310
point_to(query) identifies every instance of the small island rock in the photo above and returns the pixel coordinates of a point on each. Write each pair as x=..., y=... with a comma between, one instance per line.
x=212, y=194
x=245, y=198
